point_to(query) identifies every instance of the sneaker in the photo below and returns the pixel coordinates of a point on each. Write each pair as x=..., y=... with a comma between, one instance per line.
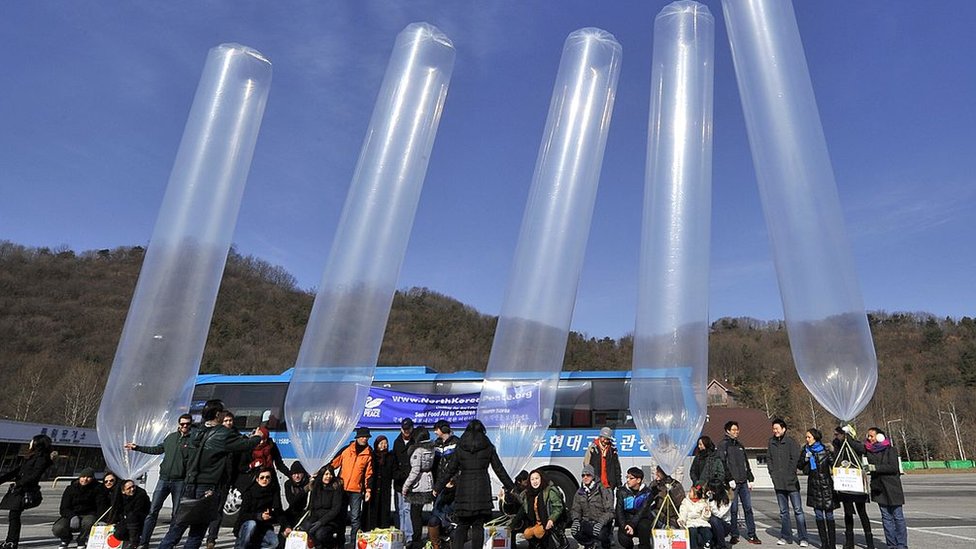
x=754, y=540
x=781, y=541
x=803, y=543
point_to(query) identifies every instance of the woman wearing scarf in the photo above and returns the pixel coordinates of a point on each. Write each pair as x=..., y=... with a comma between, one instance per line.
x=260, y=511
x=543, y=511
x=603, y=457
x=377, y=512
x=326, y=510
x=886, y=487
x=815, y=462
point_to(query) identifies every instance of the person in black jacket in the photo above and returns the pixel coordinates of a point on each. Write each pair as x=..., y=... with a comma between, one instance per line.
x=816, y=459
x=707, y=467
x=852, y=502
x=80, y=505
x=472, y=498
x=602, y=456
x=439, y=524
x=782, y=455
x=175, y=449
x=376, y=512
x=113, y=491
x=326, y=510
x=296, y=496
x=26, y=487
x=129, y=514
x=213, y=445
x=633, y=509
x=886, y=487
x=401, y=471
x=736, y=463
x=260, y=511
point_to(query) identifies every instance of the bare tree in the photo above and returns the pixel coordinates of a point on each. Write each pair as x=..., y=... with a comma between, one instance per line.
x=82, y=390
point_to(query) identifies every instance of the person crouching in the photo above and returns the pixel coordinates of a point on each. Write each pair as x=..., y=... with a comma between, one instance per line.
x=260, y=511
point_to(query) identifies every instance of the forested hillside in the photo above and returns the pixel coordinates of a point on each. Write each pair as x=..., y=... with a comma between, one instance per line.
x=61, y=314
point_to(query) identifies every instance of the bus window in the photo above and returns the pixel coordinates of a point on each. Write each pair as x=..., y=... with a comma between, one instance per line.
x=248, y=402
x=611, y=403
x=573, y=405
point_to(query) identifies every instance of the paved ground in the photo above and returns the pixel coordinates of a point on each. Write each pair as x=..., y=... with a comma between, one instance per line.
x=941, y=512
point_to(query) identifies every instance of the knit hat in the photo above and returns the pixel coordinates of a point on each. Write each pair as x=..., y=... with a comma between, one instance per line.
x=588, y=470
x=606, y=432
x=296, y=467
x=87, y=472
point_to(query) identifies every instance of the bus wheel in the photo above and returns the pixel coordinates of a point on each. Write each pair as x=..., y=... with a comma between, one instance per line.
x=565, y=483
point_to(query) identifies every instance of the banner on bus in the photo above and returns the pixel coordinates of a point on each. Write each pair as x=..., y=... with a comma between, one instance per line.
x=387, y=408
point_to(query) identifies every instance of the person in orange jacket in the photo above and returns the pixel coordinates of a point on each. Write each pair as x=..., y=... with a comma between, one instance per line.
x=355, y=465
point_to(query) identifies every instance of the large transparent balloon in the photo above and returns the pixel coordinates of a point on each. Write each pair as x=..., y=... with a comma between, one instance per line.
x=530, y=341
x=828, y=330
x=158, y=357
x=667, y=392
x=345, y=330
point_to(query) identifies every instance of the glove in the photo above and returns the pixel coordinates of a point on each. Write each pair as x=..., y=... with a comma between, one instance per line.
x=597, y=528
x=872, y=468
x=732, y=484
x=576, y=527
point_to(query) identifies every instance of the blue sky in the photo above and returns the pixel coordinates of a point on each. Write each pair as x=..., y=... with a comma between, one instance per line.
x=96, y=94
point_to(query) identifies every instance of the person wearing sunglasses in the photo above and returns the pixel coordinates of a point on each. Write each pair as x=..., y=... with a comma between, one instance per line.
x=260, y=512
x=176, y=449
x=129, y=514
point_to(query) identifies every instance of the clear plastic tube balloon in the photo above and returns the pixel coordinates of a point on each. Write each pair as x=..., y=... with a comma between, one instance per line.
x=345, y=330
x=667, y=392
x=530, y=341
x=828, y=329
x=162, y=342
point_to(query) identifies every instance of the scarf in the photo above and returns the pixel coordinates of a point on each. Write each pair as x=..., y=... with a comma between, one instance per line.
x=812, y=452
x=877, y=447
x=604, y=448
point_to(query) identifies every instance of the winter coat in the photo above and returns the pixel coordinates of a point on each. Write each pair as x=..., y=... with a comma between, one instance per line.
x=550, y=505
x=355, y=467
x=736, y=462
x=176, y=449
x=376, y=512
x=474, y=454
x=443, y=454
x=27, y=476
x=593, y=457
x=266, y=454
x=402, y=468
x=593, y=503
x=326, y=505
x=721, y=510
x=886, y=486
x=296, y=495
x=858, y=448
x=633, y=506
x=659, y=489
x=420, y=482
x=781, y=459
x=694, y=514
x=257, y=499
x=820, y=483
x=131, y=510
x=209, y=464
x=78, y=500
x=707, y=467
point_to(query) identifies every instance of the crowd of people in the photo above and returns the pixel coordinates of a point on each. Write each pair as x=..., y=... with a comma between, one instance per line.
x=435, y=486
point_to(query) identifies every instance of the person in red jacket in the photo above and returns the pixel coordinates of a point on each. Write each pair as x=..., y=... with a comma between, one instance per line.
x=355, y=465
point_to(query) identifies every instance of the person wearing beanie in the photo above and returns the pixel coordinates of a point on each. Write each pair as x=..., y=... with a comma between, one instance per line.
x=602, y=455
x=80, y=503
x=296, y=496
x=355, y=466
x=592, y=511
x=633, y=509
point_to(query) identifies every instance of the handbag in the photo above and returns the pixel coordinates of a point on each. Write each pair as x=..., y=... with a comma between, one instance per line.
x=201, y=510
x=15, y=500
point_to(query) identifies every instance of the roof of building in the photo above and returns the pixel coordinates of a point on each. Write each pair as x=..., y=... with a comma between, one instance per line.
x=754, y=426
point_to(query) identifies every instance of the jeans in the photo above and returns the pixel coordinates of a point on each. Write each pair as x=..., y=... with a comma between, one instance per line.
x=403, y=513
x=785, y=499
x=163, y=489
x=355, y=512
x=720, y=529
x=197, y=531
x=823, y=515
x=249, y=529
x=895, y=528
x=744, y=494
x=213, y=530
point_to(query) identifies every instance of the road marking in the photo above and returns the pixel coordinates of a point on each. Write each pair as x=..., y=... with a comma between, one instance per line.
x=937, y=515
x=927, y=531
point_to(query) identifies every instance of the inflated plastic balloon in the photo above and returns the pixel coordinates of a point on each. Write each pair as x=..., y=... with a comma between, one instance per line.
x=828, y=329
x=530, y=342
x=667, y=392
x=345, y=330
x=162, y=342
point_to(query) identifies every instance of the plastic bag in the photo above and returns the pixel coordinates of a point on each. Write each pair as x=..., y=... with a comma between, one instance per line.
x=530, y=341
x=670, y=365
x=158, y=357
x=342, y=341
